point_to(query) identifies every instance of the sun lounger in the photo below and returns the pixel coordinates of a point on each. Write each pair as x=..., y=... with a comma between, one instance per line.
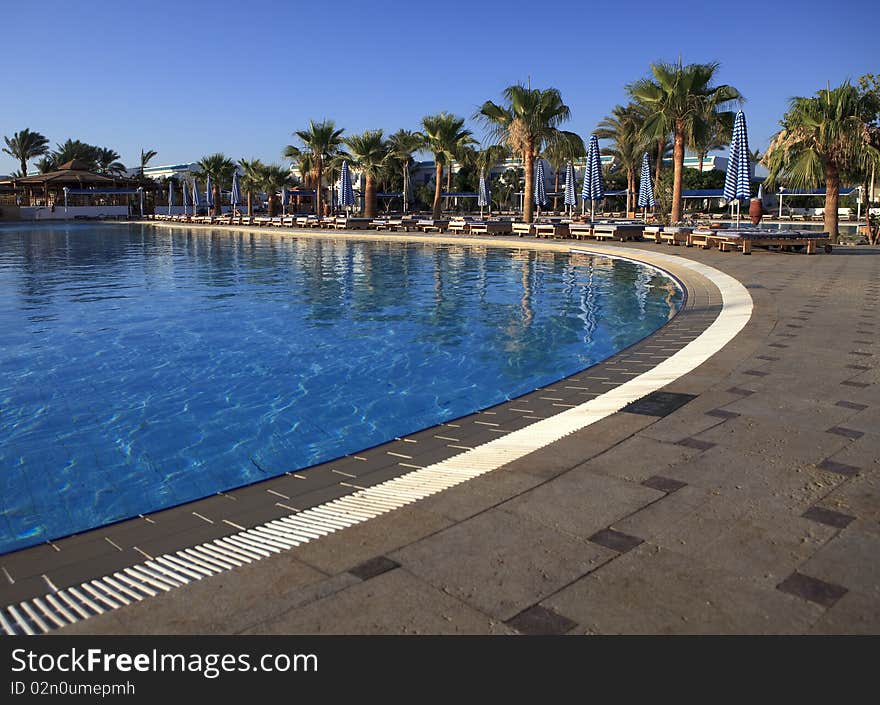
x=652, y=232
x=673, y=235
x=350, y=223
x=522, y=229
x=618, y=231
x=459, y=225
x=428, y=225
x=745, y=240
x=490, y=227
x=551, y=230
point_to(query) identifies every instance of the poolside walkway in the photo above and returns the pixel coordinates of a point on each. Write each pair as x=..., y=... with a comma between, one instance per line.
x=752, y=508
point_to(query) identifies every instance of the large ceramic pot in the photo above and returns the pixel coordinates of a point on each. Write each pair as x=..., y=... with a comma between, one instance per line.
x=756, y=211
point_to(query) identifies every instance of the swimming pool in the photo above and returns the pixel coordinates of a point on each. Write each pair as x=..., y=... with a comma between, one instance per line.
x=143, y=367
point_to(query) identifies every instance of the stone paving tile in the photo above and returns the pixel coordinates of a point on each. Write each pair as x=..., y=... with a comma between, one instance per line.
x=812, y=589
x=656, y=517
x=627, y=460
x=616, y=540
x=395, y=602
x=830, y=517
x=342, y=550
x=651, y=590
x=850, y=560
x=580, y=503
x=373, y=567
x=500, y=563
x=664, y=484
x=540, y=621
x=854, y=613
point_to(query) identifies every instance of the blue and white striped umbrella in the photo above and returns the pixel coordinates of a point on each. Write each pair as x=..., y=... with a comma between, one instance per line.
x=186, y=201
x=570, y=186
x=209, y=193
x=235, y=196
x=484, y=195
x=540, y=187
x=594, y=186
x=346, y=191
x=737, y=183
x=170, y=195
x=196, y=198
x=646, y=187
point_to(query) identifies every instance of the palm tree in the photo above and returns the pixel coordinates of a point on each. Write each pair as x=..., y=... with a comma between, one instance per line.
x=251, y=180
x=528, y=124
x=71, y=150
x=681, y=100
x=322, y=140
x=107, y=161
x=272, y=178
x=401, y=147
x=628, y=144
x=717, y=135
x=220, y=168
x=822, y=138
x=24, y=146
x=369, y=154
x=146, y=157
x=444, y=135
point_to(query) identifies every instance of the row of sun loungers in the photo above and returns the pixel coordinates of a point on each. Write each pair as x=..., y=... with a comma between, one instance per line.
x=725, y=240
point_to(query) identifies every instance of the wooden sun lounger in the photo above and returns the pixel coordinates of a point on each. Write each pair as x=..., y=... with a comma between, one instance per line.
x=618, y=231
x=551, y=230
x=427, y=225
x=652, y=232
x=580, y=231
x=522, y=229
x=491, y=227
x=675, y=236
x=346, y=223
x=745, y=240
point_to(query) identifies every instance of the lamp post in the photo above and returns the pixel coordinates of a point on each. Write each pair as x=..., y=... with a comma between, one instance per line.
x=781, y=189
x=859, y=205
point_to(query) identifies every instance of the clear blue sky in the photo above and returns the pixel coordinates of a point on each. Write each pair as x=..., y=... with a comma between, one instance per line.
x=188, y=78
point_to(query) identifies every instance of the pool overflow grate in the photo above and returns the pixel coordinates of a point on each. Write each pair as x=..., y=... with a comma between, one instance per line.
x=161, y=574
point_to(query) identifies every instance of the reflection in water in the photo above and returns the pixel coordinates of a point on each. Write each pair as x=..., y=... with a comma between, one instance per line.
x=141, y=368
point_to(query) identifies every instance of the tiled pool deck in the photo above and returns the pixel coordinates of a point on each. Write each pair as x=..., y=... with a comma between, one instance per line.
x=744, y=500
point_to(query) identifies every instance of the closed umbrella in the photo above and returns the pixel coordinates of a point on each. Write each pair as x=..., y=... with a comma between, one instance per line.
x=540, y=189
x=170, y=195
x=646, y=188
x=284, y=199
x=235, y=196
x=346, y=190
x=737, y=183
x=186, y=197
x=483, y=194
x=594, y=186
x=209, y=194
x=570, y=195
x=196, y=198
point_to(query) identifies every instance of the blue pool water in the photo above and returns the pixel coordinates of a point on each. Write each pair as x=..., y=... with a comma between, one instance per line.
x=141, y=368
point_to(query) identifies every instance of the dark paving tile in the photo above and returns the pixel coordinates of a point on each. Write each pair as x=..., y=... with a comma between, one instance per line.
x=742, y=392
x=851, y=405
x=829, y=517
x=373, y=567
x=769, y=358
x=777, y=345
x=812, y=589
x=540, y=621
x=845, y=432
x=659, y=403
x=664, y=484
x=695, y=443
x=616, y=540
x=722, y=414
x=839, y=468
x=756, y=373
x=857, y=385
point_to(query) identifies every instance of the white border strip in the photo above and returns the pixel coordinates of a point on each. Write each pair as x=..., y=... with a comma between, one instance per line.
x=161, y=574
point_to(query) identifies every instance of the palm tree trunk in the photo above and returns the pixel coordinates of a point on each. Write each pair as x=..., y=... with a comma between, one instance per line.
x=319, y=169
x=630, y=192
x=250, y=202
x=369, y=197
x=832, y=198
x=678, y=166
x=556, y=189
x=23, y=167
x=218, y=207
x=448, y=183
x=405, y=185
x=528, y=197
x=438, y=188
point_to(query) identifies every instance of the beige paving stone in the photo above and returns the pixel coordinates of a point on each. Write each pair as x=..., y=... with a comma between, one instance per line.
x=500, y=563
x=580, y=503
x=850, y=560
x=345, y=549
x=651, y=520
x=655, y=591
x=854, y=613
x=395, y=602
x=627, y=460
